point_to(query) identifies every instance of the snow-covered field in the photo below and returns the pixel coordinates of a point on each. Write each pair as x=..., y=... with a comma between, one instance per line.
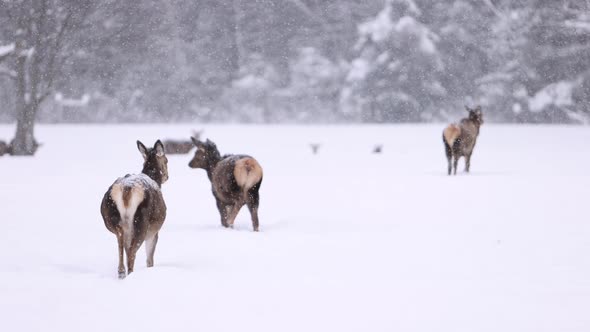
x=349, y=241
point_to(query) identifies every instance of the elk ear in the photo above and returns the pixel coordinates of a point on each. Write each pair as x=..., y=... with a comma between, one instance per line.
x=197, y=143
x=467, y=108
x=159, y=147
x=142, y=149
x=478, y=109
x=210, y=143
x=197, y=134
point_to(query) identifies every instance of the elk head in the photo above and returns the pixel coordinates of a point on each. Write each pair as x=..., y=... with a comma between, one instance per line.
x=475, y=114
x=155, y=163
x=206, y=156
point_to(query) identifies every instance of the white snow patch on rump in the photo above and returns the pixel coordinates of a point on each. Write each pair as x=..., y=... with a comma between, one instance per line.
x=137, y=184
x=127, y=209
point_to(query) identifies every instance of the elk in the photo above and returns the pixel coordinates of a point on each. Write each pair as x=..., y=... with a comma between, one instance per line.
x=4, y=148
x=235, y=181
x=180, y=146
x=133, y=207
x=315, y=147
x=459, y=139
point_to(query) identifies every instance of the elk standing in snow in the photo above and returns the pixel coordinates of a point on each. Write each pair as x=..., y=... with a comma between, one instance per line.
x=133, y=208
x=459, y=139
x=4, y=148
x=235, y=181
x=378, y=148
x=315, y=147
x=180, y=146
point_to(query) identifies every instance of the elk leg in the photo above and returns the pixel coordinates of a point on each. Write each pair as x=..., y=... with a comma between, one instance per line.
x=121, y=269
x=456, y=161
x=139, y=229
x=222, y=212
x=449, y=154
x=253, y=201
x=233, y=213
x=150, y=248
x=467, y=163
x=131, y=252
x=449, y=163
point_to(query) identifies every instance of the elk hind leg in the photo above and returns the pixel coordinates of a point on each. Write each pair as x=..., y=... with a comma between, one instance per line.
x=455, y=162
x=150, y=248
x=121, y=269
x=223, y=209
x=131, y=251
x=139, y=229
x=449, y=154
x=253, y=200
x=232, y=213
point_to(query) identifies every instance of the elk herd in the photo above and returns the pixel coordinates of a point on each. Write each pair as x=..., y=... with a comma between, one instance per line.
x=133, y=208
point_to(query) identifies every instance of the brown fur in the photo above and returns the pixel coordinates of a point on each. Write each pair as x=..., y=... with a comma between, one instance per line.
x=133, y=208
x=178, y=147
x=181, y=146
x=235, y=181
x=4, y=148
x=459, y=139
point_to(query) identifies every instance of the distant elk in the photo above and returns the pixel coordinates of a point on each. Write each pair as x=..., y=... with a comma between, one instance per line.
x=315, y=147
x=4, y=148
x=133, y=207
x=459, y=139
x=378, y=148
x=180, y=146
x=235, y=181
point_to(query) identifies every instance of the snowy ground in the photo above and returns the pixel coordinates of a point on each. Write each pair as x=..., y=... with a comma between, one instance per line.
x=350, y=241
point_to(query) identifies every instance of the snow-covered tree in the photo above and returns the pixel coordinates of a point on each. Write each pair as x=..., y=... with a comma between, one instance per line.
x=395, y=78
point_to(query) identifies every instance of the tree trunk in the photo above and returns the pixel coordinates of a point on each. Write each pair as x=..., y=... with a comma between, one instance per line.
x=234, y=41
x=24, y=143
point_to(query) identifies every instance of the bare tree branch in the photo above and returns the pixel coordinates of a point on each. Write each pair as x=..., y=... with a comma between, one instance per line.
x=307, y=11
x=7, y=73
x=53, y=53
x=494, y=9
x=6, y=51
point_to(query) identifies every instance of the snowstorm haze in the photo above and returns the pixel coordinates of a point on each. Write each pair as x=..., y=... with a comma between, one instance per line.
x=295, y=61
